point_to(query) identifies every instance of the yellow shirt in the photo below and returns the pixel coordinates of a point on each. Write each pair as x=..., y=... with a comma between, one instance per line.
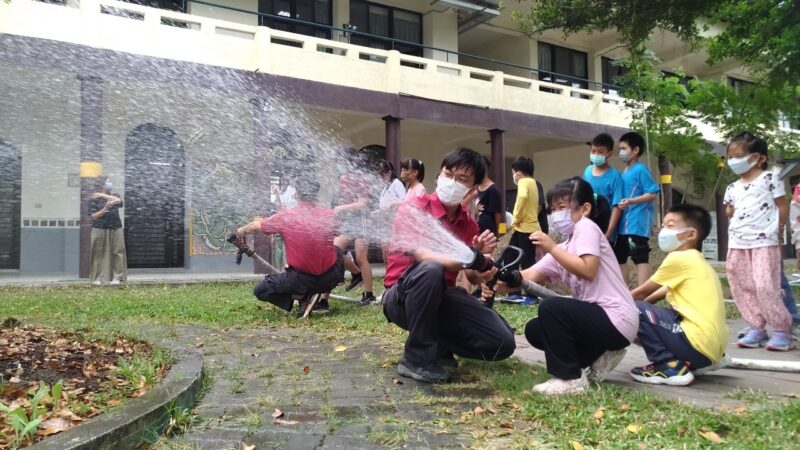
x=526, y=209
x=694, y=292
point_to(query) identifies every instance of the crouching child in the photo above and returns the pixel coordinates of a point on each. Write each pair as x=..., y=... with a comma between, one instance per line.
x=315, y=265
x=690, y=335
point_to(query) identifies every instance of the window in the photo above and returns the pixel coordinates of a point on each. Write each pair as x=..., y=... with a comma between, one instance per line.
x=611, y=71
x=386, y=22
x=737, y=84
x=563, y=66
x=170, y=5
x=311, y=11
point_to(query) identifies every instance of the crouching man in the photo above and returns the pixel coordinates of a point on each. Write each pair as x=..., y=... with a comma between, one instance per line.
x=442, y=320
x=315, y=264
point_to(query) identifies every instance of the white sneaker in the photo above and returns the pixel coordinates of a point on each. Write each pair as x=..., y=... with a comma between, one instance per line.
x=605, y=364
x=723, y=362
x=114, y=282
x=97, y=282
x=557, y=386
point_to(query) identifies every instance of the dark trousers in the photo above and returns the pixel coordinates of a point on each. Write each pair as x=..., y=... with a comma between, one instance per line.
x=572, y=334
x=523, y=241
x=442, y=321
x=662, y=338
x=279, y=288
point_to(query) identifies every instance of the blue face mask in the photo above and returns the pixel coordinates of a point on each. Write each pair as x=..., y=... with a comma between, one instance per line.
x=597, y=160
x=108, y=186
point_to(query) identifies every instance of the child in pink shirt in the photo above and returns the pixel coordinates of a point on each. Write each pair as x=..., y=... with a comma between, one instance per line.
x=412, y=172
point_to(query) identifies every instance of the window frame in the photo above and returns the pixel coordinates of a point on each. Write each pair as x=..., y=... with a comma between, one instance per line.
x=387, y=41
x=291, y=26
x=583, y=82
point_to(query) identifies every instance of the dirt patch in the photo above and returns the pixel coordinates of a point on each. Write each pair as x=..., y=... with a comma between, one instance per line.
x=61, y=378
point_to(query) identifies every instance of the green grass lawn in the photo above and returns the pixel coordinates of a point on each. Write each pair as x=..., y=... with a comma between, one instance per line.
x=607, y=417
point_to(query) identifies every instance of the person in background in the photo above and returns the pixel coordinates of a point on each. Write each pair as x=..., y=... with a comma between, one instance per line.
x=690, y=336
x=490, y=210
x=758, y=210
x=392, y=195
x=605, y=180
x=412, y=173
x=526, y=214
x=638, y=207
x=109, y=262
x=284, y=198
x=544, y=225
x=592, y=328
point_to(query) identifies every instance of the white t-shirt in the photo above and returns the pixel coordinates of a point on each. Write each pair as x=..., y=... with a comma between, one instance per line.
x=754, y=223
x=392, y=193
x=287, y=197
x=794, y=223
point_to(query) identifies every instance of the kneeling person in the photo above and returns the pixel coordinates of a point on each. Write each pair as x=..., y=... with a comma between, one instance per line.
x=315, y=264
x=443, y=320
x=691, y=334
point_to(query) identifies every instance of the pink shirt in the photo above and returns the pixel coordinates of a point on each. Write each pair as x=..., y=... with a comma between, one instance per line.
x=607, y=290
x=307, y=232
x=416, y=191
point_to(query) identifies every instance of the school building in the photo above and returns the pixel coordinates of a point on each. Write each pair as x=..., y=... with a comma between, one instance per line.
x=149, y=90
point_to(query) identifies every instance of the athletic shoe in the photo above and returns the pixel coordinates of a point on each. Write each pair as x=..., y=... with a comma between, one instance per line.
x=753, y=339
x=432, y=374
x=355, y=280
x=600, y=369
x=367, y=300
x=780, y=341
x=448, y=363
x=97, y=282
x=672, y=373
x=530, y=300
x=743, y=332
x=722, y=363
x=114, y=282
x=301, y=307
x=321, y=307
x=557, y=386
x=513, y=298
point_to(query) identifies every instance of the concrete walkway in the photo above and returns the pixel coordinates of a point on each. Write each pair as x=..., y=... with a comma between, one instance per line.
x=722, y=388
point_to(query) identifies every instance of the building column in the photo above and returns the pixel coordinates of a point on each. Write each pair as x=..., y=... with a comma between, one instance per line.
x=722, y=228
x=91, y=161
x=393, y=140
x=499, y=164
x=262, y=244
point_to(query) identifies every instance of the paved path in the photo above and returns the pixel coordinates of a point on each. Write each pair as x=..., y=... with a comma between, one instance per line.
x=722, y=388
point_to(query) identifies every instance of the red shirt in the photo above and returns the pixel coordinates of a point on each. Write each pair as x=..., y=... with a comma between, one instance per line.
x=307, y=231
x=463, y=227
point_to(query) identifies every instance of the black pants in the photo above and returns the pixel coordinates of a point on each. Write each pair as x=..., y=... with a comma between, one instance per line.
x=523, y=241
x=572, y=334
x=279, y=288
x=442, y=321
x=662, y=338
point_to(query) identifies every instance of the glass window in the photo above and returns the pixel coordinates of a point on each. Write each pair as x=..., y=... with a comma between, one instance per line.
x=313, y=11
x=563, y=65
x=384, y=21
x=611, y=71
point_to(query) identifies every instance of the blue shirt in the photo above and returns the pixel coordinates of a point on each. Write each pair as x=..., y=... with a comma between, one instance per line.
x=609, y=185
x=637, y=219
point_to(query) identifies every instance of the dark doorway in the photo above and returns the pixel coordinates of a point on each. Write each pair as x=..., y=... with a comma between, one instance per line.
x=154, y=197
x=10, y=201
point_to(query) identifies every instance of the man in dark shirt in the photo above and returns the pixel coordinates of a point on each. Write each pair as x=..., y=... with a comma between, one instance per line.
x=108, y=260
x=490, y=211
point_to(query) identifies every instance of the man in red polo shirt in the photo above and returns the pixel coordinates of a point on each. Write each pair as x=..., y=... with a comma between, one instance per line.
x=315, y=264
x=421, y=297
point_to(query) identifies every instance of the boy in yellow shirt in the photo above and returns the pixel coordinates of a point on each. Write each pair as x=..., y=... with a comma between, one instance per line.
x=691, y=334
x=525, y=216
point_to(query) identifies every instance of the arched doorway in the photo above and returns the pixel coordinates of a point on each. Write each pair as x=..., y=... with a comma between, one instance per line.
x=10, y=202
x=154, y=197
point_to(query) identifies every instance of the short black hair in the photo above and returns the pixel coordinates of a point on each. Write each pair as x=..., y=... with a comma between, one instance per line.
x=696, y=217
x=523, y=164
x=603, y=140
x=466, y=157
x=307, y=189
x=634, y=139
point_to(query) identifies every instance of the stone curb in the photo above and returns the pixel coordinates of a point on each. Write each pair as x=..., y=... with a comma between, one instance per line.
x=139, y=418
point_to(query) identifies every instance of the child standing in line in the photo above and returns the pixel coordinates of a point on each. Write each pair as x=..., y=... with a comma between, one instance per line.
x=605, y=180
x=639, y=194
x=691, y=335
x=758, y=210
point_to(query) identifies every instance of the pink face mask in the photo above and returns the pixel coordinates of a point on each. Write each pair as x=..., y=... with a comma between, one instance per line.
x=796, y=193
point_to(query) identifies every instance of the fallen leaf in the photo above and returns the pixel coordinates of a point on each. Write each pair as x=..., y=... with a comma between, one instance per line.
x=624, y=407
x=599, y=414
x=740, y=410
x=508, y=425
x=792, y=395
x=633, y=428
x=339, y=348
x=306, y=369
x=516, y=406
x=277, y=413
x=576, y=445
x=491, y=410
x=682, y=431
x=285, y=422
x=641, y=446
x=711, y=436
x=54, y=426
x=247, y=446
x=396, y=381
x=199, y=343
x=478, y=410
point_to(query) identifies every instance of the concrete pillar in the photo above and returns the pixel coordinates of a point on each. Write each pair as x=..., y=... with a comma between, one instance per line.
x=341, y=16
x=262, y=244
x=393, y=140
x=440, y=30
x=91, y=161
x=499, y=164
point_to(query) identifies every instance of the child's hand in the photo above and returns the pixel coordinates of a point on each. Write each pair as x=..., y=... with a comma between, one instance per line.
x=624, y=204
x=542, y=240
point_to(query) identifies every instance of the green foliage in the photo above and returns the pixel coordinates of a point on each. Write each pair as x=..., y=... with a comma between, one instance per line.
x=142, y=371
x=24, y=424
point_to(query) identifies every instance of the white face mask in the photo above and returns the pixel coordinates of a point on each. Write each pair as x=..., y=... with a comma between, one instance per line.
x=668, y=239
x=450, y=191
x=515, y=178
x=624, y=155
x=109, y=186
x=741, y=165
